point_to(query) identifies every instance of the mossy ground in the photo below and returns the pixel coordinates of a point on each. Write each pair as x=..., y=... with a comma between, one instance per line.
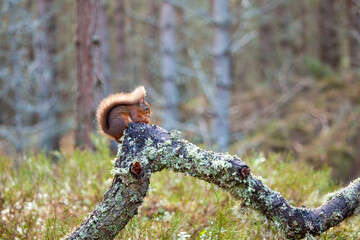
x=46, y=200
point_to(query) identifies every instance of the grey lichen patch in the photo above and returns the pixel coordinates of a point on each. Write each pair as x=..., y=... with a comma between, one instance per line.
x=119, y=151
x=276, y=222
x=357, y=211
x=149, y=150
x=208, y=163
x=221, y=164
x=349, y=193
x=84, y=235
x=245, y=192
x=136, y=198
x=242, y=194
x=124, y=174
x=336, y=216
x=114, y=160
x=101, y=208
x=179, y=155
x=283, y=207
x=356, y=181
x=118, y=171
x=118, y=197
x=131, y=143
x=309, y=225
x=175, y=134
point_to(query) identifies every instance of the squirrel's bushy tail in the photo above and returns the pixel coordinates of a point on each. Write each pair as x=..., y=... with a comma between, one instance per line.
x=107, y=104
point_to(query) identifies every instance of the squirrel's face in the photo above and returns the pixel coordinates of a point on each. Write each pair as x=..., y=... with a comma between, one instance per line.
x=145, y=109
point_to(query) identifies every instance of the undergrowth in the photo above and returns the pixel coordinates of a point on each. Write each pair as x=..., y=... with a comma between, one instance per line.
x=47, y=200
x=317, y=118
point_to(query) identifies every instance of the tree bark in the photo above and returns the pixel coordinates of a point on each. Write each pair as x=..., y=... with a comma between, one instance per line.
x=88, y=68
x=168, y=65
x=222, y=74
x=16, y=75
x=266, y=47
x=329, y=42
x=304, y=9
x=45, y=51
x=120, y=38
x=152, y=40
x=282, y=21
x=353, y=14
x=105, y=47
x=132, y=55
x=147, y=149
x=266, y=41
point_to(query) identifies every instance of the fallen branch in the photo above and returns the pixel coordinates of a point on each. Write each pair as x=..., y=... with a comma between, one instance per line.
x=148, y=149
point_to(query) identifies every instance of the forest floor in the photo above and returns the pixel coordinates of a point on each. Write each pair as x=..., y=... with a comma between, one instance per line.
x=47, y=200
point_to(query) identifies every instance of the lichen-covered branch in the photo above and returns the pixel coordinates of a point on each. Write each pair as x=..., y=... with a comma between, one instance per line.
x=148, y=149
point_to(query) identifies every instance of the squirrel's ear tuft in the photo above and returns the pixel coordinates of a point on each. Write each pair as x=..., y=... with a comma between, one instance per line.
x=141, y=100
x=138, y=94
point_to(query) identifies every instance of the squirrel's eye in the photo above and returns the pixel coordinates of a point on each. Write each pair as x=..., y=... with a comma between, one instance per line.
x=146, y=108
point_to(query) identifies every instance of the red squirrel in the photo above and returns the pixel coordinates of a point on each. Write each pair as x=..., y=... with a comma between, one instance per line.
x=117, y=110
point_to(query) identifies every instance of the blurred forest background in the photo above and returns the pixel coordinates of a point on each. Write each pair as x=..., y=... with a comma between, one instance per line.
x=238, y=75
x=279, y=77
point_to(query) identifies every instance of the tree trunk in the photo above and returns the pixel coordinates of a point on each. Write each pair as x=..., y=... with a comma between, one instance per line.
x=265, y=41
x=151, y=38
x=106, y=80
x=282, y=21
x=149, y=149
x=132, y=49
x=329, y=42
x=45, y=51
x=353, y=14
x=304, y=9
x=168, y=65
x=182, y=47
x=16, y=72
x=266, y=47
x=120, y=41
x=222, y=74
x=88, y=68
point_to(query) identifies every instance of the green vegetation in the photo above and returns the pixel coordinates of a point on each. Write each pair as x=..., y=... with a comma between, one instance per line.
x=46, y=200
x=318, y=120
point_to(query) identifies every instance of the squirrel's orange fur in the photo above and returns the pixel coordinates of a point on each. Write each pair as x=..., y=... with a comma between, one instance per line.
x=117, y=110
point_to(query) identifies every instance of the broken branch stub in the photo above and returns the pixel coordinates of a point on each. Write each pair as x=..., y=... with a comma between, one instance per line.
x=136, y=169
